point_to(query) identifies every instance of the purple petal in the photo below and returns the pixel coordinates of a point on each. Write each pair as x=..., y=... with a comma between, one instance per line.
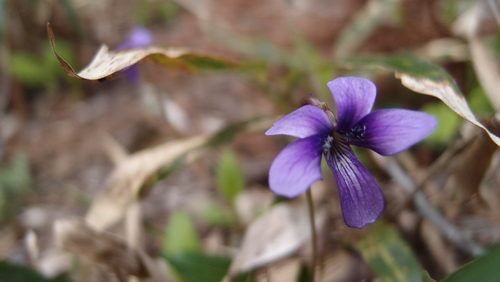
x=354, y=98
x=391, y=131
x=303, y=122
x=361, y=200
x=139, y=37
x=132, y=74
x=297, y=166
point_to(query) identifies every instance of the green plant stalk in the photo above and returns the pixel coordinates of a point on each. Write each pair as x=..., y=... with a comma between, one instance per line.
x=314, y=240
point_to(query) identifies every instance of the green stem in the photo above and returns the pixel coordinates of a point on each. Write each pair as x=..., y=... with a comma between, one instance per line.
x=313, y=235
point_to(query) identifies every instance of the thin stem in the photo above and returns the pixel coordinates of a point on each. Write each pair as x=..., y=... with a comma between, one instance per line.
x=314, y=240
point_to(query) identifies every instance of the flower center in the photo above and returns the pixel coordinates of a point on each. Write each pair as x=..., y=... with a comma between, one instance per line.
x=356, y=132
x=327, y=145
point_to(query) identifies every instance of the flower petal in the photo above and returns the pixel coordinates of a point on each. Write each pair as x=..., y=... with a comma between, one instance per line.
x=303, y=122
x=138, y=37
x=354, y=98
x=391, y=131
x=297, y=166
x=361, y=200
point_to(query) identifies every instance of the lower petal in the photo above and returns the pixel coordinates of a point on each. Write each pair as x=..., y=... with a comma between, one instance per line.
x=297, y=166
x=361, y=200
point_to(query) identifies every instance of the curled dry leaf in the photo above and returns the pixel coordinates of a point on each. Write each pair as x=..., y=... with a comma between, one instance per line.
x=122, y=186
x=449, y=94
x=107, y=62
x=274, y=235
x=107, y=250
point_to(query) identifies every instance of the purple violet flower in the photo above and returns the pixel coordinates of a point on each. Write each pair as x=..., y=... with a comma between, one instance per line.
x=139, y=37
x=386, y=132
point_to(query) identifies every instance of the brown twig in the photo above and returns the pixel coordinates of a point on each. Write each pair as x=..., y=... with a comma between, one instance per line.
x=426, y=209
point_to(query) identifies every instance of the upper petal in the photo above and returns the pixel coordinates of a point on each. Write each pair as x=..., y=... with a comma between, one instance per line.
x=361, y=200
x=391, y=131
x=138, y=37
x=297, y=166
x=354, y=98
x=305, y=121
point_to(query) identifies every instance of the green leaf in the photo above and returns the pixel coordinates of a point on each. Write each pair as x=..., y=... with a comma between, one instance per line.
x=230, y=180
x=3, y=20
x=180, y=235
x=73, y=17
x=479, y=102
x=447, y=127
x=197, y=267
x=15, y=184
x=201, y=62
x=365, y=21
x=484, y=269
x=216, y=215
x=389, y=256
x=426, y=277
x=247, y=45
x=16, y=176
x=401, y=63
x=10, y=272
x=230, y=131
x=28, y=69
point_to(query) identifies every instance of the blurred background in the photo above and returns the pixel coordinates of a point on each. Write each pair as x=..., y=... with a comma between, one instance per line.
x=124, y=152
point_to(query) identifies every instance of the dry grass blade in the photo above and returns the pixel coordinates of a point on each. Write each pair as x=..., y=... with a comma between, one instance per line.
x=273, y=236
x=123, y=184
x=485, y=64
x=99, y=247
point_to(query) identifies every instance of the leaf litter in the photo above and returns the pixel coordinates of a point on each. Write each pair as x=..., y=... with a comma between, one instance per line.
x=339, y=238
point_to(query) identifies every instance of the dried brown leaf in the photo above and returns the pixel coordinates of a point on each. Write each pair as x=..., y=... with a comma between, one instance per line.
x=122, y=186
x=107, y=62
x=274, y=235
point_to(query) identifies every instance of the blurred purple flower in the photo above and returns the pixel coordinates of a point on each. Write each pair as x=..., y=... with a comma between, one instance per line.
x=139, y=37
x=386, y=132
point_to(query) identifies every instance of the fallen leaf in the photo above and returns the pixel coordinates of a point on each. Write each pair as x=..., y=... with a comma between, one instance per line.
x=274, y=235
x=389, y=255
x=122, y=186
x=106, y=62
x=447, y=93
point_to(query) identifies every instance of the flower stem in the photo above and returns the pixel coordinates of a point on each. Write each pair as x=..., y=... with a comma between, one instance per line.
x=313, y=235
